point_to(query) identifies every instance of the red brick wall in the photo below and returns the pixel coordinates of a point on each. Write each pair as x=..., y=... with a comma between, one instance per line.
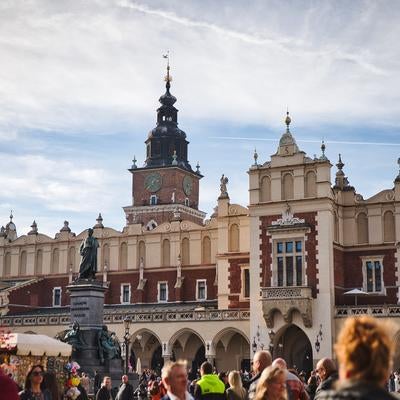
x=40, y=294
x=235, y=282
x=172, y=179
x=310, y=247
x=149, y=294
x=350, y=276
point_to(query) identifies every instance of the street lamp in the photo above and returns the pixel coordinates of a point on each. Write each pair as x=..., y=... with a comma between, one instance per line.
x=127, y=323
x=271, y=335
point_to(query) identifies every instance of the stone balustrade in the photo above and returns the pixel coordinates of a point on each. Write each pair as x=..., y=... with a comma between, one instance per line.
x=116, y=316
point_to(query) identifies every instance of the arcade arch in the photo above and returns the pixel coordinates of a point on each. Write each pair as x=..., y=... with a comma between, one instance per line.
x=292, y=344
x=188, y=345
x=232, y=350
x=145, y=349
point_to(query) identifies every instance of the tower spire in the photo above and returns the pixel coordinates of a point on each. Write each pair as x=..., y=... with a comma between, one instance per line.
x=168, y=77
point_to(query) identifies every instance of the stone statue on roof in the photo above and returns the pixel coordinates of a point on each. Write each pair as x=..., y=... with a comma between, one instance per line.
x=224, y=191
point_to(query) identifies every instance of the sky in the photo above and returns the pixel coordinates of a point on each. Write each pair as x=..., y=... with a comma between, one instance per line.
x=80, y=82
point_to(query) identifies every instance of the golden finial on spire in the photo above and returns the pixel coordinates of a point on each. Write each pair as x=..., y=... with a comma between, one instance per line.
x=288, y=120
x=168, y=77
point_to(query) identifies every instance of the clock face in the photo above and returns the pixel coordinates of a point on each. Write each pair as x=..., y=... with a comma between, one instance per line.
x=187, y=185
x=153, y=182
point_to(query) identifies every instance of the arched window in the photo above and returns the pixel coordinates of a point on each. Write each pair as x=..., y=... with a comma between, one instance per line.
x=39, y=263
x=71, y=259
x=287, y=187
x=265, y=189
x=234, y=238
x=185, y=252
x=310, y=184
x=335, y=227
x=106, y=255
x=166, y=253
x=206, y=251
x=389, y=232
x=55, y=259
x=22, y=264
x=362, y=228
x=7, y=264
x=123, y=256
x=141, y=253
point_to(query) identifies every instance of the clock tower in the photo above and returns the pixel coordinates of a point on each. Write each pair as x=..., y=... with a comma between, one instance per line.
x=166, y=188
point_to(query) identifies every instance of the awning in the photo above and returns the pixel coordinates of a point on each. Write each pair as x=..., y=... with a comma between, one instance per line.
x=36, y=345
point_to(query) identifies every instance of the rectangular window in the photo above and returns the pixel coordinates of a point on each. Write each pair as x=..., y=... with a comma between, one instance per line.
x=280, y=271
x=246, y=283
x=289, y=263
x=299, y=270
x=201, y=290
x=373, y=275
x=162, y=292
x=57, y=297
x=153, y=200
x=125, y=293
x=289, y=271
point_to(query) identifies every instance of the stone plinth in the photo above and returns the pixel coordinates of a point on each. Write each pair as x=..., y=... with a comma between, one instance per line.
x=87, y=308
x=87, y=303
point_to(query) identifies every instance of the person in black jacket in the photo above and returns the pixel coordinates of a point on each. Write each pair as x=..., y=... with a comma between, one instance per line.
x=261, y=360
x=125, y=391
x=105, y=391
x=364, y=350
x=328, y=375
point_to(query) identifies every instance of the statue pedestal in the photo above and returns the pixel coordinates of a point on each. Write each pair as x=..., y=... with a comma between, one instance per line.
x=87, y=303
x=87, y=308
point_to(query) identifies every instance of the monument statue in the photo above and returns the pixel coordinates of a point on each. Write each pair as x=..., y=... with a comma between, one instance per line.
x=74, y=337
x=108, y=348
x=88, y=252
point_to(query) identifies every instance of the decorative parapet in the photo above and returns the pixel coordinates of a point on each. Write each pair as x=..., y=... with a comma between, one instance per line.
x=113, y=316
x=292, y=292
x=286, y=300
x=376, y=311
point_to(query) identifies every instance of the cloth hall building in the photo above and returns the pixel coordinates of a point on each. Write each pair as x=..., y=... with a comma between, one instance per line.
x=271, y=274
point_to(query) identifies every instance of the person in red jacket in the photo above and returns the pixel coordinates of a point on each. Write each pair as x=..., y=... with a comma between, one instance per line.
x=8, y=388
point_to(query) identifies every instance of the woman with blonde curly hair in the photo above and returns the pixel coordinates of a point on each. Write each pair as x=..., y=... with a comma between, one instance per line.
x=271, y=385
x=364, y=350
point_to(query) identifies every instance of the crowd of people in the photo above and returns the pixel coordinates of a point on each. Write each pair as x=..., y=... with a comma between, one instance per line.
x=364, y=351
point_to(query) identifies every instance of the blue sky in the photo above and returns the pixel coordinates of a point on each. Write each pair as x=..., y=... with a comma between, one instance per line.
x=80, y=82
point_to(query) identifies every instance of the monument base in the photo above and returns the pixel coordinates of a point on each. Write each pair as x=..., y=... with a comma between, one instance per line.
x=87, y=307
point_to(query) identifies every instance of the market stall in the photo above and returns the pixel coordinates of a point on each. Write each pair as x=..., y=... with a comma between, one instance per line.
x=19, y=351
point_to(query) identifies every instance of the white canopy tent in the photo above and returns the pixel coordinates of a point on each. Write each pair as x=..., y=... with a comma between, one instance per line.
x=355, y=293
x=36, y=345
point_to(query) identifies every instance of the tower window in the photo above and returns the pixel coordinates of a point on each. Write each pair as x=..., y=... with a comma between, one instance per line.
x=153, y=200
x=187, y=202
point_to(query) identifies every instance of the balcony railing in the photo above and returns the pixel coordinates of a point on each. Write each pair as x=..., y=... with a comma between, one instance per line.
x=112, y=316
x=287, y=292
x=375, y=310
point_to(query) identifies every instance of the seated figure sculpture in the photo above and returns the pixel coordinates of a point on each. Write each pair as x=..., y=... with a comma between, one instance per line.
x=108, y=349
